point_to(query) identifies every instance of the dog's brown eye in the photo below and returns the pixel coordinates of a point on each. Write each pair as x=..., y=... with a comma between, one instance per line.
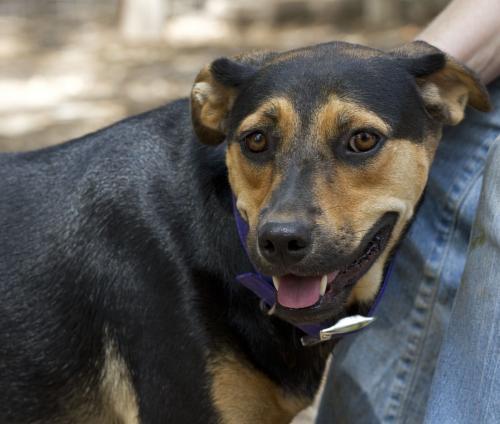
x=363, y=141
x=256, y=142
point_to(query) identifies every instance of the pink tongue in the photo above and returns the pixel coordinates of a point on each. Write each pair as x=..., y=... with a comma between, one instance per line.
x=298, y=292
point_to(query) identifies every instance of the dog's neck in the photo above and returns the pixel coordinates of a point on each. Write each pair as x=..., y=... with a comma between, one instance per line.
x=272, y=345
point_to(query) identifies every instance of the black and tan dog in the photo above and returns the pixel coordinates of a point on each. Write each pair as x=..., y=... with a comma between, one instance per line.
x=119, y=250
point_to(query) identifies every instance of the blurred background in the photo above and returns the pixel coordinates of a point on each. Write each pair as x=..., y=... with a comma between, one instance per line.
x=68, y=67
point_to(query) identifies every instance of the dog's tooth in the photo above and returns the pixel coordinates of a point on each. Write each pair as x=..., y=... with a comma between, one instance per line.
x=324, y=281
x=276, y=283
x=271, y=311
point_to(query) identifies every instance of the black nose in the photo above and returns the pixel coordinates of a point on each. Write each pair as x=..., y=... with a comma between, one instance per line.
x=284, y=242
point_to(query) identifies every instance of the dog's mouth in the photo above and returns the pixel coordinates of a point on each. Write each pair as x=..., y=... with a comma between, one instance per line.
x=316, y=295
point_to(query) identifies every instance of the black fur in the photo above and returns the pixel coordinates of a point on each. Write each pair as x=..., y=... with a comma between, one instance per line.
x=128, y=235
x=230, y=73
x=128, y=231
x=382, y=83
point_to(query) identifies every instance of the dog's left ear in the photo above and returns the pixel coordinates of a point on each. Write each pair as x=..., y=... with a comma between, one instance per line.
x=212, y=97
x=446, y=85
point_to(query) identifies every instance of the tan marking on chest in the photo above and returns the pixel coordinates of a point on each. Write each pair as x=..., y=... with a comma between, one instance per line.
x=110, y=400
x=119, y=401
x=243, y=395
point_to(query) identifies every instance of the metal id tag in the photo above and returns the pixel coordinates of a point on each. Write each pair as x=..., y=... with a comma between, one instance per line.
x=346, y=325
x=343, y=326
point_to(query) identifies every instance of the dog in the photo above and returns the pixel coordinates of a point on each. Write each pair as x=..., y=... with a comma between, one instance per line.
x=119, y=250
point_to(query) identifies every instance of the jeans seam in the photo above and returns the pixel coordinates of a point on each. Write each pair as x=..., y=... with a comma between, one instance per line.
x=437, y=286
x=429, y=287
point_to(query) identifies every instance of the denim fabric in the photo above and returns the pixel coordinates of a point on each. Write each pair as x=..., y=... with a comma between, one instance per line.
x=384, y=373
x=466, y=385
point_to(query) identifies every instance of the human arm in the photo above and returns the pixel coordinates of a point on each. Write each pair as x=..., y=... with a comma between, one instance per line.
x=470, y=32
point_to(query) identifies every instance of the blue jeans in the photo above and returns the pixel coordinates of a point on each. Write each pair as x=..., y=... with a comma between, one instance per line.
x=428, y=358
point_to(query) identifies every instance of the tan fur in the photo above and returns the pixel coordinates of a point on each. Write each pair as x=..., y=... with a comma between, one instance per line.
x=210, y=103
x=360, y=196
x=356, y=196
x=447, y=100
x=253, y=184
x=456, y=78
x=119, y=402
x=337, y=114
x=449, y=90
x=112, y=401
x=277, y=110
x=243, y=395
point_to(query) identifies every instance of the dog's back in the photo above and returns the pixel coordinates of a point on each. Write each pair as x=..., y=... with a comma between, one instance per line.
x=80, y=294
x=119, y=251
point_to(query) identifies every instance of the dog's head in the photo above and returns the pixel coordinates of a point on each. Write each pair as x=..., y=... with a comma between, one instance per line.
x=328, y=153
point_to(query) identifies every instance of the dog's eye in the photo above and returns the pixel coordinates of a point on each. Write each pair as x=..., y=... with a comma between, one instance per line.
x=256, y=142
x=363, y=141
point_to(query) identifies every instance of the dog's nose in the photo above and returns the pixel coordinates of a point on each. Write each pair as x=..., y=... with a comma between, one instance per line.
x=284, y=242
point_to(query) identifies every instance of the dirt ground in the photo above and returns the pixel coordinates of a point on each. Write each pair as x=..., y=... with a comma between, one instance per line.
x=60, y=79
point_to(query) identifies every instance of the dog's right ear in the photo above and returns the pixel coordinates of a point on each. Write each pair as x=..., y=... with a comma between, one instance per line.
x=446, y=86
x=212, y=97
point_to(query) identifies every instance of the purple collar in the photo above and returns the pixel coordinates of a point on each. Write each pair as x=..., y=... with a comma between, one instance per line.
x=262, y=286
